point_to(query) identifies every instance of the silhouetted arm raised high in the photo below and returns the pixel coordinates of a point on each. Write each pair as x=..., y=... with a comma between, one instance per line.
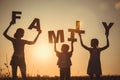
x=72, y=47
x=107, y=45
x=55, y=49
x=71, y=52
x=33, y=42
x=82, y=43
x=5, y=32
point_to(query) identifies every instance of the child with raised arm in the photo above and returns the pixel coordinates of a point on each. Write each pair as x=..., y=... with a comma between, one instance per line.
x=18, y=58
x=64, y=61
x=94, y=65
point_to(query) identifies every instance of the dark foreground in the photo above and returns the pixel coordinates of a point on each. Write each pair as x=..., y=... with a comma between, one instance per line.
x=72, y=78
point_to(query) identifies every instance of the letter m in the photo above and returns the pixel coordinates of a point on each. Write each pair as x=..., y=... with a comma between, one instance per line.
x=52, y=36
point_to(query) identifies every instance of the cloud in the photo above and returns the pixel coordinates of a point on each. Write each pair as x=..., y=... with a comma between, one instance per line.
x=117, y=5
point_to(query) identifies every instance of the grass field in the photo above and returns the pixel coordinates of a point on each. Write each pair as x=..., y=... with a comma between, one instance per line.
x=72, y=78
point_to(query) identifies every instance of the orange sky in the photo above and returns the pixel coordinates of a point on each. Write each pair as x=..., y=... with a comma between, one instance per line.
x=62, y=15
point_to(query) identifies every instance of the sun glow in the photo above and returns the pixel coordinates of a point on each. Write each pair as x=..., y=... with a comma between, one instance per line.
x=42, y=53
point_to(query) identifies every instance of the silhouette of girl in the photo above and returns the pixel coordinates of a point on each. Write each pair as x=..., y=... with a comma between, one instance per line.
x=94, y=65
x=18, y=58
x=64, y=61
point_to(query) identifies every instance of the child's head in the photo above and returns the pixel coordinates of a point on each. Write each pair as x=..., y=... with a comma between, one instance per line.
x=65, y=48
x=94, y=42
x=19, y=33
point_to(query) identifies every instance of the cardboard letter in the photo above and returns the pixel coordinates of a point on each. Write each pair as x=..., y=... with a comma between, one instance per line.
x=35, y=24
x=107, y=27
x=60, y=36
x=14, y=15
x=72, y=35
x=77, y=25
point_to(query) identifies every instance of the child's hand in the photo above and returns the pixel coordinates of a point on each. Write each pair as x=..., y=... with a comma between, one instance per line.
x=39, y=32
x=12, y=22
x=107, y=34
x=55, y=41
x=79, y=34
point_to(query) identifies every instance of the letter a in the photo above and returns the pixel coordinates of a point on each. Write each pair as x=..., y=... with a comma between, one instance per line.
x=35, y=24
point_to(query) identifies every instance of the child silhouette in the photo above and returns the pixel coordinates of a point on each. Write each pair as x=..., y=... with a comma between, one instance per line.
x=64, y=61
x=18, y=58
x=94, y=65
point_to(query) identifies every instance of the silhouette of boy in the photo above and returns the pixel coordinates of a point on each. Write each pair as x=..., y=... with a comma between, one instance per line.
x=94, y=65
x=64, y=61
x=18, y=58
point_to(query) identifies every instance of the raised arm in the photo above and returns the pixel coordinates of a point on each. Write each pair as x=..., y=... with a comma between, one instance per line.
x=107, y=45
x=72, y=47
x=5, y=32
x=71, y=52
x=82, y=43
x=55, y=49
x=33, y=42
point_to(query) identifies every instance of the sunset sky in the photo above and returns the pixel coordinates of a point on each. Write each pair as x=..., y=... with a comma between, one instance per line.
x=62, y=15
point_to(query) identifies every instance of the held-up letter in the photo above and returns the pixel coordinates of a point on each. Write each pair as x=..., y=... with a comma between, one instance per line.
x=107, y=27
x=72, y=35
x=60, y=36
x=35, y=24
x=14, y=16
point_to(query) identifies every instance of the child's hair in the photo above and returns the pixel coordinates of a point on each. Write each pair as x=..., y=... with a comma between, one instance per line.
x=65, y=47
x=94, y=42
x=19, y=33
